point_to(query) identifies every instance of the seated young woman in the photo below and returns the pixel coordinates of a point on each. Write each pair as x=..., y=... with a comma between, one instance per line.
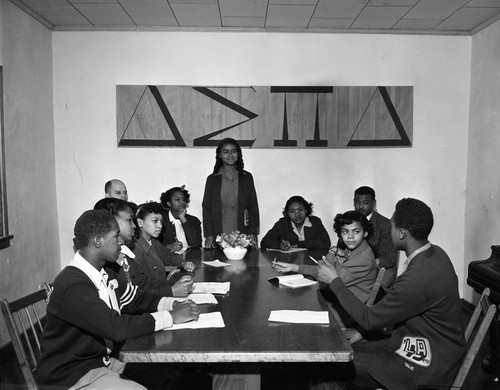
x=297, y=229
x=149, y=253
x=180, y=229
x=355, y=265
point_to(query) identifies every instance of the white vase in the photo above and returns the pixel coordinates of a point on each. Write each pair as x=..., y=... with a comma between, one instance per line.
x=235, y=253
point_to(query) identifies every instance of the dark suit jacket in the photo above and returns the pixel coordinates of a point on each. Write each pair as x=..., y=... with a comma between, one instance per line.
x=247, y=204
x=381, y=243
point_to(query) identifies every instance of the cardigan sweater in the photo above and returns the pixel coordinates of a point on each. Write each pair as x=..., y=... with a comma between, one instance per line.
x=316, y=236
x=248, y=207
x=381, y=244
x=358, y=272
x=427, y=343
x=80, y=327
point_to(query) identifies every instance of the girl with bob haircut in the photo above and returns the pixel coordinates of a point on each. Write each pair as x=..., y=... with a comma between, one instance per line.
x=297, y=229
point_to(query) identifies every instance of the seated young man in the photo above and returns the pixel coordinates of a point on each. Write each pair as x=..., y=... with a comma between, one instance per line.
x=427, y=342
x=89, y=313
x=126, y=268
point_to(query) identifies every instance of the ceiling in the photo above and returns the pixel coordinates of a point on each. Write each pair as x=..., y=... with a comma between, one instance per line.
x=441, y=17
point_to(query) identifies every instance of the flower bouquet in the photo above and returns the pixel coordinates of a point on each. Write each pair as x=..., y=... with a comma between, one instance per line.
x=234, y=244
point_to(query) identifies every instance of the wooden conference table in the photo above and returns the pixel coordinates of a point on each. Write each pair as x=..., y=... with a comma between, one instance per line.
x=248, y=341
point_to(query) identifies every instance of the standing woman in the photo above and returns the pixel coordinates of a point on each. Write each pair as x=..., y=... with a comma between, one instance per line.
x=230, y=200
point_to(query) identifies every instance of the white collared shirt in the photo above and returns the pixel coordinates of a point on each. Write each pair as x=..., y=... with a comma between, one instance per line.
x=300, y=233
x=413, y=254
x=179, y=231
x=100, y=280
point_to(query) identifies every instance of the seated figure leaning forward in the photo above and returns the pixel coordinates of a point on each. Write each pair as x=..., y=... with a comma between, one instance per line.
x=427, y=342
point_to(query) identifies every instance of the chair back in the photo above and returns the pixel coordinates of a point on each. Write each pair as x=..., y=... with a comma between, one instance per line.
x=488, y=310
x=24, y=323
x=376, y=287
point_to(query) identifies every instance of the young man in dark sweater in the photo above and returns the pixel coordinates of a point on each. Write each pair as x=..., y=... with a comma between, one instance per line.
x=427, y=343
x=90, y=313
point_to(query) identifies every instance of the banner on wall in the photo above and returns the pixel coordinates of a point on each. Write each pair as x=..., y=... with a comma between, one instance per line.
x=264, y=117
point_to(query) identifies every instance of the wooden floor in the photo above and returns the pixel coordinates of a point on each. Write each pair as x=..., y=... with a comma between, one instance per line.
x=10, y=376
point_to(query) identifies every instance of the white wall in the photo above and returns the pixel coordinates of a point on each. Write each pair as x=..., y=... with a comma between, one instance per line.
x=482, y=213
x=88, y=65
x=26, y=55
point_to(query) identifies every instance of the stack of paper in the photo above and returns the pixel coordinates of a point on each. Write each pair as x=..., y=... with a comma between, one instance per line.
x=291, y=250
x=295, y=281
x=206, y=320
x=211, y=288
x=216, y=263
x=202, y=299
x=299, y=316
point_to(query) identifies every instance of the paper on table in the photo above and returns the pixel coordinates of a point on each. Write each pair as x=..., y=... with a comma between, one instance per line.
x=201, y=299
x=216, y=263
x=295, y=281
x=211, y=287
x=206, y=320
x=299, y=316
x=291, y=250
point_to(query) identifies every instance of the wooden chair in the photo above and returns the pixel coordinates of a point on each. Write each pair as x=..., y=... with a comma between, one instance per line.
x=24, y=324
x=376, y=287
x=488, y=310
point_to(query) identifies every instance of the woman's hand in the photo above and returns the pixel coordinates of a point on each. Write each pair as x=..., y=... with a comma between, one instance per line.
x=174, y=246
x=280, y=266
x=285, y=245
x=182, y=215
x=209, y=242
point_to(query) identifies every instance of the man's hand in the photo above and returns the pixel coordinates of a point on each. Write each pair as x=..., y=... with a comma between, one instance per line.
x=326, y=271
x=184, y=312
x=188, y=266
x=183, y=287
x=280, y=266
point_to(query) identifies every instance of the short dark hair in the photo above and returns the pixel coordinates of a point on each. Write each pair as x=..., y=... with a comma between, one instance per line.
x=90, y=224
x=296, y=198
x=113, y=205
x=218, y=160
x=149, y=208
x=349, y=217
x=167, y=195
x=107, y=186
x=365, y=190
x=414, y=216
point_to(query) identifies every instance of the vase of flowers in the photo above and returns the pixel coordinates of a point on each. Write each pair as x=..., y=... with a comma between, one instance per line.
x=234, y=244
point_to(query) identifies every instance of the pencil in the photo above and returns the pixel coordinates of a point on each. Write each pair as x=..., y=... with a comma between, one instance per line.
x=313, y=259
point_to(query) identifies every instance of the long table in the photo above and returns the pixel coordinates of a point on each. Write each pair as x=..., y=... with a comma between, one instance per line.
x=248, y=337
